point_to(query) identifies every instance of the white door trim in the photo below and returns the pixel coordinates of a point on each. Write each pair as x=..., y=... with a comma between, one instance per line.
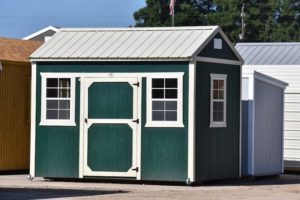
x=134, y=126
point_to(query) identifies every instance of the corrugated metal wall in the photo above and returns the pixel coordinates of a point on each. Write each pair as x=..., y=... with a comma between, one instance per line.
x=268, y=128
x=290, y=75
x=14, y=116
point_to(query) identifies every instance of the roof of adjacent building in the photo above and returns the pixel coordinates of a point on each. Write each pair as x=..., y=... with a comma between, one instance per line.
x=17, y=50
x=42, y=34
x=164, y=43
x=269, y=53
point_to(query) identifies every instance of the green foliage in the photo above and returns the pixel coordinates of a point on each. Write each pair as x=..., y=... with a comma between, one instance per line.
x=266, y=20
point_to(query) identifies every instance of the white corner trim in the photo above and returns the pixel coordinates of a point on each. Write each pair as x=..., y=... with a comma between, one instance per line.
x=218, y=60
x=32, y=120
x=191, y=123
x=218, y=124
x=241, y=121
x=59, y=122
x=48, y=28
x=179, y=122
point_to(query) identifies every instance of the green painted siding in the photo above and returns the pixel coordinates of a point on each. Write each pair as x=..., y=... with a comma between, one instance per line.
x=117, y=103
x=110, y=147
x=224, y=53
x=164, y=150
x=217, y=149
x=57, y=152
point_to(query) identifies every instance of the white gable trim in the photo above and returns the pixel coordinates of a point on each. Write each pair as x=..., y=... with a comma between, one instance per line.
x=49, y=28
x=218, y=60
x=216, y=31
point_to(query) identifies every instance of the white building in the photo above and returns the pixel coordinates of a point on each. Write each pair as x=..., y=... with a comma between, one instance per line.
x=281, y=61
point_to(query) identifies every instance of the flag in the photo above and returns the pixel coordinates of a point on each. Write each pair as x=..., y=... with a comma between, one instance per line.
x=172, y=7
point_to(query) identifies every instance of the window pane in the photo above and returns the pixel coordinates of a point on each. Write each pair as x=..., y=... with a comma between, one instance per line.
x=52, y=104
x=65, y=93
x=171, y=115
x=158, y=105
x=52, y=82
x=157, y=93
x=221, y=94
x=64, y=114
x=52, y=93
x=215, y=94
x=171, y=105
x=171, y=93
x=221, y=84
x=64, y=82
x=52, y=114
x=171, y=83
x=215, y=84
x=64, y=104
x=218, y=110
x=158, y=115
x=158, y=83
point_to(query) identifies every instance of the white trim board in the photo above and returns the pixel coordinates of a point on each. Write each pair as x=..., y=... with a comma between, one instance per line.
x=218, y=60
x=33, y=118
x=48, y=28
x=191, y=122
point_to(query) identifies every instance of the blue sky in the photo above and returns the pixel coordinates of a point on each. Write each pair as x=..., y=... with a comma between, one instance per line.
x=19, y=18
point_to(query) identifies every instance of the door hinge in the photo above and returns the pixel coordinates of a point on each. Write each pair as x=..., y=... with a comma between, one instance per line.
x=85, y=120
x=136, y=84
x=135, y=169
x=136, y=121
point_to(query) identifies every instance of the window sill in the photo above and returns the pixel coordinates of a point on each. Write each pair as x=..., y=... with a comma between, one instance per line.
x=218, y=125
x=164, y=124
x=57, y=123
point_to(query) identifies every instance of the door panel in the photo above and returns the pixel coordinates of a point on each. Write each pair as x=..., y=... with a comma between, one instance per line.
x=110, y=129
x=110, y=147
x=110, y=101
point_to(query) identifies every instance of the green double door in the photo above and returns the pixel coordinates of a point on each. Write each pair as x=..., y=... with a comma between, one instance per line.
x=110, y=127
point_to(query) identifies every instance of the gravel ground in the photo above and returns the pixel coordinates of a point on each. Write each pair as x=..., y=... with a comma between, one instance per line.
x=285, y=187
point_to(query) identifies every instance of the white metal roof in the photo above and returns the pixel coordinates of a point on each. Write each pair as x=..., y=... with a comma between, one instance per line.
x=268, y=53
x=164, y=43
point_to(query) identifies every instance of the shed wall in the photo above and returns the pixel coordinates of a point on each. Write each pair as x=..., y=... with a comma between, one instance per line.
x=289, y=74
x=268, y=128
x=14, y=115
x=164, y=150
x=217, y=149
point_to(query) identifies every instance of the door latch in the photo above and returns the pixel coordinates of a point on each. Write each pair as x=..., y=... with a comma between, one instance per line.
x=135, y=169
x=85, y=120
x=136, y=121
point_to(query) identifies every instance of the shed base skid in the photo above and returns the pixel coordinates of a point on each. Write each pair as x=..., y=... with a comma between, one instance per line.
x=120, y=180
x=292, y=166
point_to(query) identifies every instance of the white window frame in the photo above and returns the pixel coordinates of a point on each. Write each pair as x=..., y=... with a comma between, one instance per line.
x=179, y=122
x=57, y=122
x=218, y=124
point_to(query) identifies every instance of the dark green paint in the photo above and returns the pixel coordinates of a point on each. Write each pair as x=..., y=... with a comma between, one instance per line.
x=57, y=152
x=164, y=150
x=110, y=147
x=217, y=149
x=110, y=100
x=224, y=53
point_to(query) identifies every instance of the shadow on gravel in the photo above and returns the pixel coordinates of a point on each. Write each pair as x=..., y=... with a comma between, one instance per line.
x=30, y=194
x=285, y=179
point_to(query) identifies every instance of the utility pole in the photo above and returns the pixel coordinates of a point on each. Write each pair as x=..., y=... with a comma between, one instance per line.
x=242, y=35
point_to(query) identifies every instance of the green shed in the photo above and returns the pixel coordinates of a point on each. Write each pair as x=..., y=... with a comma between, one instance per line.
x=150, y=104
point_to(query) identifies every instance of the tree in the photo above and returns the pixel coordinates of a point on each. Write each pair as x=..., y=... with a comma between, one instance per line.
x=266, y=20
